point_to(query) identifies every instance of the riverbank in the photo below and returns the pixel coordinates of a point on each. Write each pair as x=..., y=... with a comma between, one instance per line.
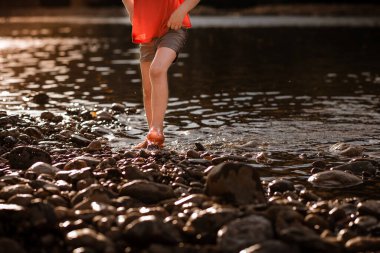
x=64, y=189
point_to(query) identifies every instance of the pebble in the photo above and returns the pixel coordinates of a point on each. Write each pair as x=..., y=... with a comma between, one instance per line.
x=87, y=237
x=41, y=98
x=334, y=179
x=23, y=157
x=345, y=149
x=357, y=167
x=363, y=244
x=147, y=192
x=244, y=232
x=80, y=140
x=271, y=246
x=118, y=107
x=235, y=182
x=43, y=168
x=148, y=229
x=280, y=185
x=94, y=146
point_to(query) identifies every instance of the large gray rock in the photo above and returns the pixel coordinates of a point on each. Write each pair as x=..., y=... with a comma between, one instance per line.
x=24, y=156
x=334, y=179
x=235, y=182
x=242, y=233
x=147, y=192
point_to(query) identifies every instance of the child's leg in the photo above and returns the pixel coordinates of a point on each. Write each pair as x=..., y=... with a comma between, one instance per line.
x=147, y=91
x=147, y=97
x=159, y=80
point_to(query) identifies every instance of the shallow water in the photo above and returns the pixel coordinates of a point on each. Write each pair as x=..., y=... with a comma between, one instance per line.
x=287, y=90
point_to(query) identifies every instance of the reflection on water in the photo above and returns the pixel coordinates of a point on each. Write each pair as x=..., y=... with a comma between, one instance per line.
x=293, y=89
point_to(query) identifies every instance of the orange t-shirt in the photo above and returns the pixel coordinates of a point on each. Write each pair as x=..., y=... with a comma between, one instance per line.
x=150, y=18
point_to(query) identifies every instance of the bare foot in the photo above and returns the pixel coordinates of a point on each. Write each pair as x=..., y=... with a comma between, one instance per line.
x=141, y=145
x=155, y=137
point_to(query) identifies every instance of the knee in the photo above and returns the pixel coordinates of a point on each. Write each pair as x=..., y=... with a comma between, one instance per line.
x=157, y=71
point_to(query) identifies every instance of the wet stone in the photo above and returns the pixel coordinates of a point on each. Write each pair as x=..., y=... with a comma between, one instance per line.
x=244, y=232
x=94, y=146
x=47, y=116
x=24, y=156
x=363, y=244
x=43, y=168
x=192, y=154
x=34, y=132
x=41, y=98
x=87, y=237
x=206, y=223
x=21, y=199
x=345, y=149
x=334, y=179
x=271, y=246
x=148, y=229
x=8, y=245
x=118, y=107
x=80, y=140
x=369, y=207
x=147, y=192
x=7, y=191
x=357, y=167
x=235, y=182
x=280, y=185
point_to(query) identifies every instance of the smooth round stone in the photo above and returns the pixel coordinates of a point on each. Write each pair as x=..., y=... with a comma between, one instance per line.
x=47, y=115
x=43, y=168
x=345, y=149
x=146, y=191
x=8, y=191
x=271, y=246
x=357, y=167
x=21, y=199
x=118, y=107
x=363, y=244
x=192, y=154
x=103, y=115
x=24, y=156
x=244, y=232
x=8, y=245
x=334, y=179
x=87, y=237
x=369, y=207
x=280, y=185
x=41, y=98
x=150, y=229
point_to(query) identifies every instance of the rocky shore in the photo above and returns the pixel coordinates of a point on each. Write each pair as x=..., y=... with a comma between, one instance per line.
x=64, y=189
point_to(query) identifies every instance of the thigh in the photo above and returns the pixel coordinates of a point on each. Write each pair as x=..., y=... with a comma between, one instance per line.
x=148, y=51
x=164, y=58
x=174, y=39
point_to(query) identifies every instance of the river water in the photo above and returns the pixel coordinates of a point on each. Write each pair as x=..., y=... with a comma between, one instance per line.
x=284, y=89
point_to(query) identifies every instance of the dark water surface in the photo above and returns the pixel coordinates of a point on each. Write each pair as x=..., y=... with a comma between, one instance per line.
x=287, y=90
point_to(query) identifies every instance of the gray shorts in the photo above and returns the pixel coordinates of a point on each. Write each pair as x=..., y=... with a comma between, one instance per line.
x=172, y=39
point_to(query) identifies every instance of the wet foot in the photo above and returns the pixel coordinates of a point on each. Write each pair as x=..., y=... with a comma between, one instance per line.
x=155, y=137
x=141, y=145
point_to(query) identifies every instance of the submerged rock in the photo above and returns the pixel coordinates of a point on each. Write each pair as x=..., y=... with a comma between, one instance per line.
x=235, y=182
x=244, y=232
x=24, y=156
x=358, y=167
x=345, y=149
x=334, y=179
